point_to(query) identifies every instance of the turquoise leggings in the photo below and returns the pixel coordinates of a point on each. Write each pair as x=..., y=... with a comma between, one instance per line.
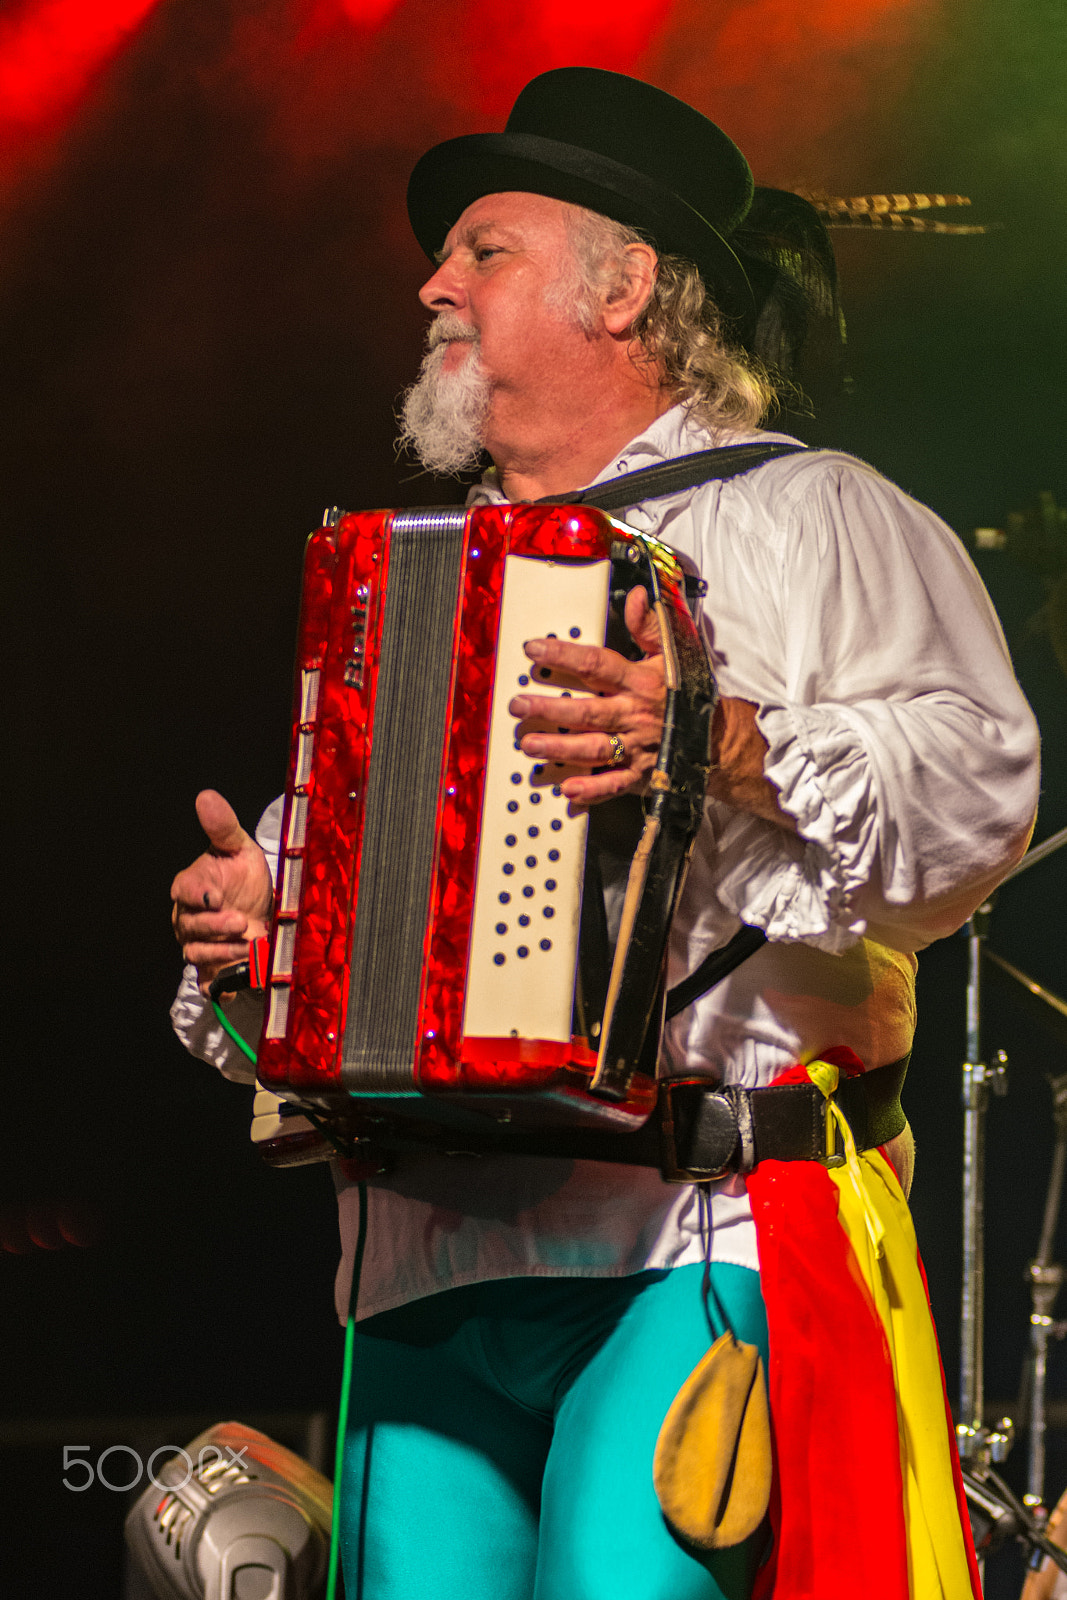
x=501, y=1436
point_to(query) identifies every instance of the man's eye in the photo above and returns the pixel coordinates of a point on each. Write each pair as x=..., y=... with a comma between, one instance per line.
x=484, y=251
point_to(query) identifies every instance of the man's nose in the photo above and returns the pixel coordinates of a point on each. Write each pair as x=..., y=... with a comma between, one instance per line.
x=443, y=290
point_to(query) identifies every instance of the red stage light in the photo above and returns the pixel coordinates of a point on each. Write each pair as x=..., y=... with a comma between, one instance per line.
x=368, y=13
x=600, y=32
x=51, y=49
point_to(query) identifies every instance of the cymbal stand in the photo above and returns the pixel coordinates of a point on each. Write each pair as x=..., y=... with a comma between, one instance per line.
x=1045, y=1277
x=977, y=1445
x=997, y=1516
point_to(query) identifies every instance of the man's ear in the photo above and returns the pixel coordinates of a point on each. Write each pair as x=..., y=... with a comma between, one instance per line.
x=632, y=289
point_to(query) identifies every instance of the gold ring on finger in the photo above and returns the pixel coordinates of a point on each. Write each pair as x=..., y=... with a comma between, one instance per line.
x=618, y=750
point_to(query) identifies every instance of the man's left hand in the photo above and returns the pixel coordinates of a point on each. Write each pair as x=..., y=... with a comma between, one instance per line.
x=627, y=701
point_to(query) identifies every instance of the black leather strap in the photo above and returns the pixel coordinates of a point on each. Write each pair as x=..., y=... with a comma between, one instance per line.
x=713, y=969
x=629, y=489
x=673, y=811
x=671, y=477
x=704, y=1129
x=694, y=1134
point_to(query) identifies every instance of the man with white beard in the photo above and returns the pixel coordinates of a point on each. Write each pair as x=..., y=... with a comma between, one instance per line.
x=443, y=413
x=524, y=1323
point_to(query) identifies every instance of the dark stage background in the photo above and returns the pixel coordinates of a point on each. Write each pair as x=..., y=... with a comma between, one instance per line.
x=207, y=304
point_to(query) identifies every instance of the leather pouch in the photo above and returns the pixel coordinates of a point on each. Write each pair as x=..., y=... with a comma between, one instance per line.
x=712, y=1466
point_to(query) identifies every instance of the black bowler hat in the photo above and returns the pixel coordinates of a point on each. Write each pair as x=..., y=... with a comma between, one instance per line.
x=611, y=144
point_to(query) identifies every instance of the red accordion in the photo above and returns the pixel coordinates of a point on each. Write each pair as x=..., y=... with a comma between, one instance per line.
x=437, y=939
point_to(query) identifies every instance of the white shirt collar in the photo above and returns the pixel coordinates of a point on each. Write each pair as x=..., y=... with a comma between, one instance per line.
x=675, y=433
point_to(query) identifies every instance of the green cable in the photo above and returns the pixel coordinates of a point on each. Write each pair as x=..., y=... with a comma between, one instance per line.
x=242, y=1044
x=350, y=1329
x=346, y=1385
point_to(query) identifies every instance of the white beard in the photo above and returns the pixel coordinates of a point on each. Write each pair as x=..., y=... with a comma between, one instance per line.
x=442, y=416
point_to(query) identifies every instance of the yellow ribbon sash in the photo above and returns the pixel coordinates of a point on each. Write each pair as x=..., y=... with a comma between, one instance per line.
x=875, y=1216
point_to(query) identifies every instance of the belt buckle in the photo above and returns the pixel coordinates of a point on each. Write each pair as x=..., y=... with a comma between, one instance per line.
x=692, y=1110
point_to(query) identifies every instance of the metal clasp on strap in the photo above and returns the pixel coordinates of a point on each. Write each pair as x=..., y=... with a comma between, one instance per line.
x=833, y=1153
x=746, y=1134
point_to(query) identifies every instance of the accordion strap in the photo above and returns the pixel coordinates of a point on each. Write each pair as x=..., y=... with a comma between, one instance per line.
x=671, y=477
x=713, y=969
x=694, y=1135
x=674, y=809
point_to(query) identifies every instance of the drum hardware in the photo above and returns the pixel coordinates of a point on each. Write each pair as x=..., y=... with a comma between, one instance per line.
x=1045, y=1277
x=976, y=1444
x=997, y=1516
x=979, y=1447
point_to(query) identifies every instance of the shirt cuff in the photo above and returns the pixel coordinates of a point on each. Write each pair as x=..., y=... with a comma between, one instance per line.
x=194, y=1021
x=801, y=887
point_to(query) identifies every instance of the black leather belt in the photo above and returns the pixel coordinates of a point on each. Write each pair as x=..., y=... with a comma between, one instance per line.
x=706, y=1134
x=697, y=1132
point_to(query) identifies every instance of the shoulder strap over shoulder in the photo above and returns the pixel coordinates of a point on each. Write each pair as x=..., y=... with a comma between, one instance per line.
x=629, y=489
x=687, y=472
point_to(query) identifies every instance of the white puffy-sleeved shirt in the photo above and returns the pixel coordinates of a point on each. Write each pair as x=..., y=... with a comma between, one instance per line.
x=899, y=741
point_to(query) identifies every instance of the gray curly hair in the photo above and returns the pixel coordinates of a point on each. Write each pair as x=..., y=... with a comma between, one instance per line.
x=679, y=327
